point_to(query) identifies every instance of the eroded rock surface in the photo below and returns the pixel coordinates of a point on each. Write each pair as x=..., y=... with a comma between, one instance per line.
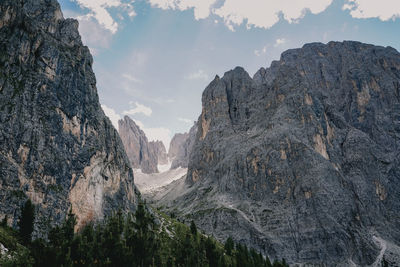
x=302, y=160
x=56, y=145
x=159, y=150
x=141, y=154
x=182, y=145
x=176, y=144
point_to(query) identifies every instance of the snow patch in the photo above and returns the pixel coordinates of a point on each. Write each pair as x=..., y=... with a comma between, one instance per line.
x=165, y=167
x=154, y=181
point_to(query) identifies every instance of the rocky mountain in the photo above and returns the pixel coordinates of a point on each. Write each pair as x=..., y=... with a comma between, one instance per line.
x=302, y=160
x=159, y=150
x=140, y=153
x=181, y=147
x=56, y=145
x=176, y=144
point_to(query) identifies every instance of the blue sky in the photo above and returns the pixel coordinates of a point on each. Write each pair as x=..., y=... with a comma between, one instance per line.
x=153, y=58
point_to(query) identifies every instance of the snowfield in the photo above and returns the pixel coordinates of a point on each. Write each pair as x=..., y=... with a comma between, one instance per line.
x=150, y=183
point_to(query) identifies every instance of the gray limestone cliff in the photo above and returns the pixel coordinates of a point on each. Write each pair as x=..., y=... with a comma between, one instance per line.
x=159, y=150
x=140, y=153
x=182, y=147
x=302, y=160
x=176, y=144
x=56, y=145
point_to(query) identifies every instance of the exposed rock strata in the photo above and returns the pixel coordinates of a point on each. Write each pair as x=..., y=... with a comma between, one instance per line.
x=183, y=148
x=56, y=145
x=302, y=160
x=141, y=154
x=159, y=150
x=176, y=144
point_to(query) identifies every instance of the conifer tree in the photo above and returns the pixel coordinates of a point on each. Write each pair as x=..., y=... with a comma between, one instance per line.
x=193, y=228
x=26, y=221
x=229, y=246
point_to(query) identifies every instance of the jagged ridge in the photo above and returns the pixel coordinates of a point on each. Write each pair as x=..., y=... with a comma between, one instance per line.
x=302, y=160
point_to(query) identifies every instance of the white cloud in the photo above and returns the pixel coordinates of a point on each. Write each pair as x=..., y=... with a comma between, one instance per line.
x=95, y=36
x=198, y=75
x=201, y=8
x=265, y=13
x=131, y=78
x=279, y=41
x=261, y=51
x=154, y=134
x=98, y=9
x=185, y=120
x=255, y=13
x=112, y=115
x=382, y=9
x=139, y=108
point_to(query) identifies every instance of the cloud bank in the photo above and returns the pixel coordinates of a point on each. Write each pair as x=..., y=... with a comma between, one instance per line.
x=112, y=115
x=382, y=9
x=252, y=13
x=99, y=10
x=139, y=108
x=198, y=75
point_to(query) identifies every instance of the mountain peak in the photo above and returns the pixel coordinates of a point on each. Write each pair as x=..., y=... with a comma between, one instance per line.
x=63, y=153
x=309, y=146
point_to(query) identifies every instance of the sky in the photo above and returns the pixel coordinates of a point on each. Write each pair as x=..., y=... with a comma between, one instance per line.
x=154, y=58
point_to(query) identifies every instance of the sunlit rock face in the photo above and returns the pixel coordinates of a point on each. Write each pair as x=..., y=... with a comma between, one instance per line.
x=56, y=145
x=302, y=160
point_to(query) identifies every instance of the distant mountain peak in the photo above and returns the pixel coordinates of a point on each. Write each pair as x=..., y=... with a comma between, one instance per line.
x=142, y=154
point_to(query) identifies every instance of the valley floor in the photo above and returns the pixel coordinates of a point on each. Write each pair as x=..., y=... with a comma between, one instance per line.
x=151, y=183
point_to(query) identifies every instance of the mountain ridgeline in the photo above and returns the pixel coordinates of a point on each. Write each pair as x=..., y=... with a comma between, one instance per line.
x=142, y=154
x=57, y=147
x=302, y=160
x=146, y=156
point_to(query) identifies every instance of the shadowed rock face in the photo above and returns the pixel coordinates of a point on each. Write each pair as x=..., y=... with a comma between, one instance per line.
x=56, y=145
x=140, y=153
x=302, y=161
x=183, y=147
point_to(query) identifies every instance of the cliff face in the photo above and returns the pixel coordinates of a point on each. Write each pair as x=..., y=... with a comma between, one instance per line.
x=140, y=153
x=183, y=147
x=302, y=161
x=176, y=144
x=159, y=150
x=56, y=145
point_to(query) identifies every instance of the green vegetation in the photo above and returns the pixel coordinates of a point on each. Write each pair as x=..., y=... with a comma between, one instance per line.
x=14, y=254
x=124, y=240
